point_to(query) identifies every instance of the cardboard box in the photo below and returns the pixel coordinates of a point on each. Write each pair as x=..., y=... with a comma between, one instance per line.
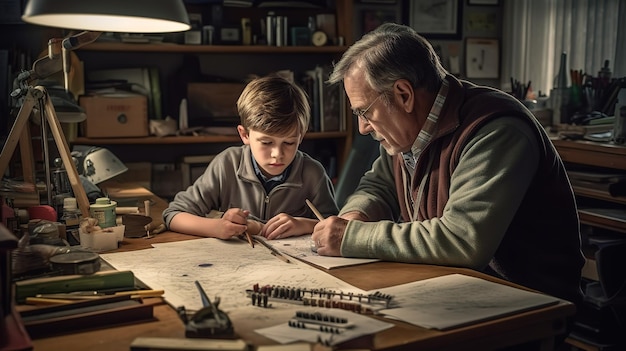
x=113, y=116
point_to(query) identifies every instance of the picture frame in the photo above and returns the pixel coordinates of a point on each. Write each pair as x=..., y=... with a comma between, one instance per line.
x=373, y=18
x=482, y=58
x=436, y=19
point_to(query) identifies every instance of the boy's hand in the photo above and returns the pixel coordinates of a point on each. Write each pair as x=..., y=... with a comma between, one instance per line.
x=234, y=222
x=283, y=225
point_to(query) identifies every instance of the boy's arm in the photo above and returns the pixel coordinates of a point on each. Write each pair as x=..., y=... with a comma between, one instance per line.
x=220, y=228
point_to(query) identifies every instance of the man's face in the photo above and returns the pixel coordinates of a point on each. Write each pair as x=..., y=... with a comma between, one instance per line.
x=272, y=153
x=393, y=126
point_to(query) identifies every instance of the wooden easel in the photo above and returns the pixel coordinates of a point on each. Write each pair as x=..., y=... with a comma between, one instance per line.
x=20, y=133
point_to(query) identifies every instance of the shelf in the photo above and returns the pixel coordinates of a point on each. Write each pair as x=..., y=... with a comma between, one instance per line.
x=201, y=139
x=211, y=49
x=598, y=194
x=612, y=219
x=592, y=153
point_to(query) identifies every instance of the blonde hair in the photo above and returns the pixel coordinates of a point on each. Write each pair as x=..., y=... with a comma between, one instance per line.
x=274, y=105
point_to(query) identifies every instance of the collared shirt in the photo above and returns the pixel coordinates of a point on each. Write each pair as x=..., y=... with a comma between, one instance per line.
x=425, y=135
x=429, y=128
x=270, y=183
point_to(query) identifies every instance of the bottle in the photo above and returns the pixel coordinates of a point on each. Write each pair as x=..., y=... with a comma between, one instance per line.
x=560, y=94
x=605, y=74
x=71, y=218
x=561, y=78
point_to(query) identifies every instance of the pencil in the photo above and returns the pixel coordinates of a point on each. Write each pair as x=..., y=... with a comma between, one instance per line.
x=273, y=251
x=280, y=256
x=249, y=239
x=315, y=211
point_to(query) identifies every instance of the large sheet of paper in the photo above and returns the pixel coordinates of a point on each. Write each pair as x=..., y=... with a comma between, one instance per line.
x=456, y=300
x=300, y=248
x=224, y=268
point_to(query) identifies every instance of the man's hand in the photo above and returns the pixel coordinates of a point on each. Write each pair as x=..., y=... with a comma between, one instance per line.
x=328, y=234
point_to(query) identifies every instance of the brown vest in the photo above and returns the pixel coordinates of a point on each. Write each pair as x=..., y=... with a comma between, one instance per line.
x=543, y=239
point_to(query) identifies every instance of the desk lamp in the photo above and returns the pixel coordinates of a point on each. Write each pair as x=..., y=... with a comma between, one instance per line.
x=91, y=17
x=126, y=16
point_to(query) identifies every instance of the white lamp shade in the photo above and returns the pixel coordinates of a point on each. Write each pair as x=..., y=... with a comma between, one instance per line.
x=101, y=164
x=126, y=16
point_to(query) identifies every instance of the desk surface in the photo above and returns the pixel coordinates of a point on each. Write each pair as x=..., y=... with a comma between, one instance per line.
x=540, y=324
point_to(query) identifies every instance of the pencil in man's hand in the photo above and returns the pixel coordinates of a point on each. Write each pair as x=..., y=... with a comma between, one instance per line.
x=315, y=211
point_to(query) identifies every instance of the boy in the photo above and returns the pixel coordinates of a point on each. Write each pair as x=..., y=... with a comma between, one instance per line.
x=266, y=179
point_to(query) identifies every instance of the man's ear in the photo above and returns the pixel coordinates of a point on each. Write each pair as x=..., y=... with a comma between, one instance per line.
x=405, y=94
x=243, y=134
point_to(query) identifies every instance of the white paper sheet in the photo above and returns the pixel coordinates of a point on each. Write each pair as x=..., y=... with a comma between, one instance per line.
x=455, y=300
x=224, y=268
x=300, y=248
x=364, y=325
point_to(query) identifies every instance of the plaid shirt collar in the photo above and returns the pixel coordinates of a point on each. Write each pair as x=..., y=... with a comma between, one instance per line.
x=428, y=130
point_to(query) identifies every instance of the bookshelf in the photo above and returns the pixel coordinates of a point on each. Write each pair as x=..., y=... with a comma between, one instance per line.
x=603, y=219
x=231, y=61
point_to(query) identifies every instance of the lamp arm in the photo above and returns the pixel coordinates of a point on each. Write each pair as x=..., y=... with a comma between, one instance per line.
x=81, y=39
x=72, y=43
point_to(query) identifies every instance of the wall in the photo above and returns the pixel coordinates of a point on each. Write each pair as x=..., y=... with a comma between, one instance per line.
x=477, y=21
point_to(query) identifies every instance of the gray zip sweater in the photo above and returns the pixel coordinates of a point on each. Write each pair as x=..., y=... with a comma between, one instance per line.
x=230, y=181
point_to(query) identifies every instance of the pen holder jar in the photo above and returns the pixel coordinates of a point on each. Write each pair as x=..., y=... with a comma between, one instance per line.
x=104, y=211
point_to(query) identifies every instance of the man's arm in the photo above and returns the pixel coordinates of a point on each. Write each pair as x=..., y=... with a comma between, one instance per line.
x=375, y=197
x=489, y=183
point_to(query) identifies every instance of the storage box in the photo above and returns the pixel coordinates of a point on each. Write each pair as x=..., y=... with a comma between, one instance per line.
x=213, y=104
x=119, y=115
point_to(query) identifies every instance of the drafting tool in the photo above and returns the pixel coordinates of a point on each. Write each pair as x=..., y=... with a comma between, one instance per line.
x=208, y=322
x=319, y=217
x=360, y=303
x=273, y=251
x=324, y=319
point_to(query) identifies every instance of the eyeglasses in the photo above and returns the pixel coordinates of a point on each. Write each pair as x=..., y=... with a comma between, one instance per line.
x=361, y=113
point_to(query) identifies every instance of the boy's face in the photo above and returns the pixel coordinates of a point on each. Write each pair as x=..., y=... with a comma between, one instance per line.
x=272, y=153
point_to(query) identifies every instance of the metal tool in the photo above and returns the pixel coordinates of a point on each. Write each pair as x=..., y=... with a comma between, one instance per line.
x=209, y=321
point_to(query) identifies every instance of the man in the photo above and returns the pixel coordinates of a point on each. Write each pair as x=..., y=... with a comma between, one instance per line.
x=466, y=176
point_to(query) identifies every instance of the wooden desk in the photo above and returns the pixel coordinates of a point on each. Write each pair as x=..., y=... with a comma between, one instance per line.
x=536, y=325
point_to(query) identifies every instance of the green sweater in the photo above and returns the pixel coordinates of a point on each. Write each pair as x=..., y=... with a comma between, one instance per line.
x=497, y=199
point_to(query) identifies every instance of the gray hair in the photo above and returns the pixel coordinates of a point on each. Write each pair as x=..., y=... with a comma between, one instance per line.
x=391, y=52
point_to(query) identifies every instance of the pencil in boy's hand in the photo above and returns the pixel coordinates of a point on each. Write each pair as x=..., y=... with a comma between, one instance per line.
x=249, y=239
x=315, y=211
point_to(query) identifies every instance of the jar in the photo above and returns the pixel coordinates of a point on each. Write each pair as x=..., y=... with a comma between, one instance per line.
x=104, y=211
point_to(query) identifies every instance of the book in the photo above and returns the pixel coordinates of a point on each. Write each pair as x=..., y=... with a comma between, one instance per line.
x=86, y=314
x=310, y=85
x=104, y=280
x=332, y=102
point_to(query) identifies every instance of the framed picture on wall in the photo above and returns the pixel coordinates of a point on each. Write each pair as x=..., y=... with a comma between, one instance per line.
x=436, y=19
x=374, y=18
x=482, y=58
